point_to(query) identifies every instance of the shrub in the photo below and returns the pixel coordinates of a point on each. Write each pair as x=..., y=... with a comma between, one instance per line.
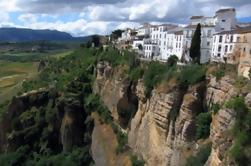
x=215, y=108
x=241, y=130
x=237, y=153
x=136, y=73
x=220, y=72
x=203, y=122
x=136, y=162
x=190, y=75
x=122, y=141
x=240, y=82
x=172, y=60
x=153, y=76
x=201, y=157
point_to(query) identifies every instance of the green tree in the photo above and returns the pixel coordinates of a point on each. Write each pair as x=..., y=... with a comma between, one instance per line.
x=195, y=45
x=172, y=60
x=116, y=34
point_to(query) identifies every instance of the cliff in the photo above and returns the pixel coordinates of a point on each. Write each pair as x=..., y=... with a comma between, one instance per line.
x=163, y=128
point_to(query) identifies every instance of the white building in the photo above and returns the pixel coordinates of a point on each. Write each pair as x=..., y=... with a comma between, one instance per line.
x=225, y=20
x=151, y=49
x=229, y=45
x=128, y=35
x=171, y=43
x=219, y=34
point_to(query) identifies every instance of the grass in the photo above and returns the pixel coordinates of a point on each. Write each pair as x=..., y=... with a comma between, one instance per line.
x=62, y=54
x=11, y=76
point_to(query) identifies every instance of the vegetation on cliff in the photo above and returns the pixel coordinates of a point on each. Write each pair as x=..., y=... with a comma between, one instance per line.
x=241, y=131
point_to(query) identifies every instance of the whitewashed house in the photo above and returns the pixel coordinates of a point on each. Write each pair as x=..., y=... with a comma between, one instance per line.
x=228, y=46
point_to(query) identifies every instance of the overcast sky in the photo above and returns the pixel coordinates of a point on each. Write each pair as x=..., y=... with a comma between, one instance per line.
x=85, y=17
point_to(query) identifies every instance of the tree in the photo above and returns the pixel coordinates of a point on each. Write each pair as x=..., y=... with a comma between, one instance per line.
x=116, y=34
x=96, y=40
x=172, y=60
x=195, y=45
x=140, y=47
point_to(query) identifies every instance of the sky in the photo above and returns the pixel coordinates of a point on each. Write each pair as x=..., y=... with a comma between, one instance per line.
x=86, y=17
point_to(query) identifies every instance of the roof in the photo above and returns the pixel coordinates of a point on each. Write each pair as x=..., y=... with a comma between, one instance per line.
x=226, y=10
x=196, y=17
x=175, y=30
x=195, y=26
x=239, y=30
x=178, y=33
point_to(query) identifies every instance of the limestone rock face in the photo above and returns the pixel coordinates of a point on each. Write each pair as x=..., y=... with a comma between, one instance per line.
x=220, y=92
x=110, y=89
x=163, y=127
x=117, y=93
x=222, y=122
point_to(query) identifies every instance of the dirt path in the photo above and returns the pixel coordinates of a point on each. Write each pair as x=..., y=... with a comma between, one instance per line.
x=104, y=144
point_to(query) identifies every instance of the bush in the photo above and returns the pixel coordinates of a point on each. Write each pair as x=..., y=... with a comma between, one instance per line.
x=172, y=60
x=136, y=73
x=215, y=108
x=237, y=153
x=220, y=72
x=122, y=141
x=241, y=130
x=201, y=157
x=191, y=75
x=203, y=122
x=136, y=162
x=153, y=76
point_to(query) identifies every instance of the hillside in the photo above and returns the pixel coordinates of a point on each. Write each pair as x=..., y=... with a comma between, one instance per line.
x=24, y=35
x=116, y=108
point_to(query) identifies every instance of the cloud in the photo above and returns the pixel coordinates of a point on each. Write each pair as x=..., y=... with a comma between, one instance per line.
x=84, y=17
x=27, y=18
x=60, y=6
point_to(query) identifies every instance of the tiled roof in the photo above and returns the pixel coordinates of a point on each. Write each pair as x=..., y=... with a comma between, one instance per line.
x=196, y=17
x=202, y=26
x=236, y=31
x=225, y=10
x=179, y=33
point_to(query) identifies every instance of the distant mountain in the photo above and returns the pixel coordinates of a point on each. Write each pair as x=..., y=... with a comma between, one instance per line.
x=25, y=35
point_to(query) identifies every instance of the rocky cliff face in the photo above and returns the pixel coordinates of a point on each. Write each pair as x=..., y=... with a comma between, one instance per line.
x=222, y=122
x=117, y=92
x=37, y=116
x=163, y=128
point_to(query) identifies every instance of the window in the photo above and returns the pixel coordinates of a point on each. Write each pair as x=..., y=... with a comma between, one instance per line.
x=219, y=49
x=231, y=47
x=250, y=51
x=220, y=39
x=218, y=55
x=214, y=39
x=231, y=39
x=209, y=32
x=226, y=48
x=223, y=20
x=238, y=39
x=208, y=43
x=244, y=49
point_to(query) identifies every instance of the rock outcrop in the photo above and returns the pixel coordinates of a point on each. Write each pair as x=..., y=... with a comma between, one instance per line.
x=163, y=129
x=117, y=92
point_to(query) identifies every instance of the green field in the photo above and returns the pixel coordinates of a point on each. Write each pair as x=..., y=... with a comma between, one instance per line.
x=11, y=76
x=13, y=73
